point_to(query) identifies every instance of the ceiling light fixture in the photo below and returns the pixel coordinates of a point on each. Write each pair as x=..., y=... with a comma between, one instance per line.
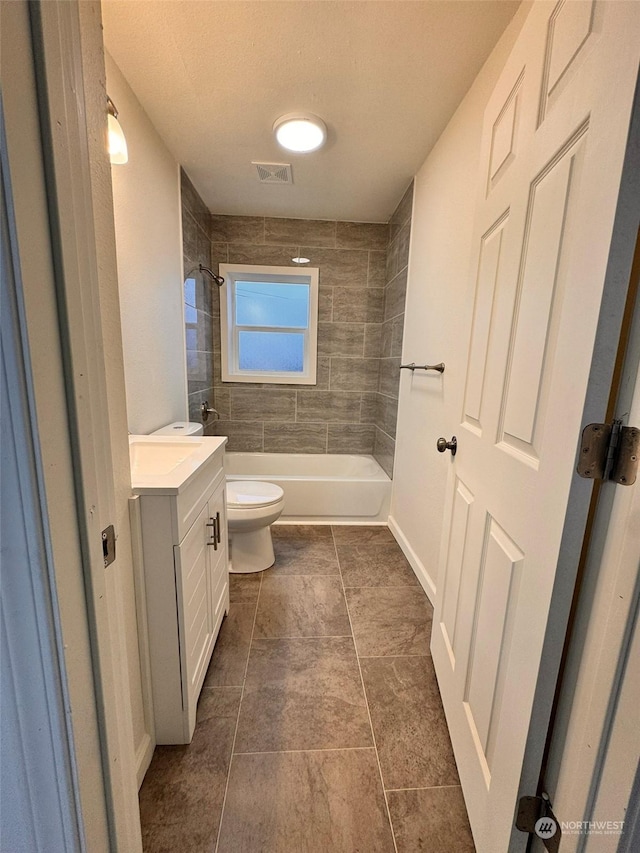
x=118, y=153
x=300, y=132
x=301, y=260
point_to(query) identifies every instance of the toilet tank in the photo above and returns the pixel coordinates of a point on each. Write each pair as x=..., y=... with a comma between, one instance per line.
x=180, y=428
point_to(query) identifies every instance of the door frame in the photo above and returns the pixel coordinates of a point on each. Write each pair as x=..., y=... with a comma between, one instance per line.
x=49, y=155
x=606, y=591
x=40, y=791
x=577, y=525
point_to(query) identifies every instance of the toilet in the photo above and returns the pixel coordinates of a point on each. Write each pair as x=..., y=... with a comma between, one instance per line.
x=180, y=428
x=252, y=507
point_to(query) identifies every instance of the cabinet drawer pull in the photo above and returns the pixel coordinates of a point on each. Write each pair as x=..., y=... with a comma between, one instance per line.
x=218, y=525
x=214, y=540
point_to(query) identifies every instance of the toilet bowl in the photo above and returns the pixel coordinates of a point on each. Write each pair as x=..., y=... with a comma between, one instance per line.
x=252, y=507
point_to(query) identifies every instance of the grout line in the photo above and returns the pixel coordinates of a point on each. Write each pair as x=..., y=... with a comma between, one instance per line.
x=366, y=701
x=383, y=586
x=355, y=357
x=428, y=788
x=313, y=637
x=312, y=575
x=235, y=734
x=298, y=751
x=391, y=657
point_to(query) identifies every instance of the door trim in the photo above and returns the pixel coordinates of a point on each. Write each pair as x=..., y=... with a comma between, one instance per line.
x=62, y=300
x=37, y=737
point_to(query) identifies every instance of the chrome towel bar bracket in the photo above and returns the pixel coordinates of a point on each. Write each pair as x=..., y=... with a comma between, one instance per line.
x=413, y=366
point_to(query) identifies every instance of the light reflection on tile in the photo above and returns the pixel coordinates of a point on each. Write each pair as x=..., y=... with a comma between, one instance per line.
x=314, y=802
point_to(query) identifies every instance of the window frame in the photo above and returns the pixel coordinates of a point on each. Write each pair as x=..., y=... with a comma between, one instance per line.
x=229, y=330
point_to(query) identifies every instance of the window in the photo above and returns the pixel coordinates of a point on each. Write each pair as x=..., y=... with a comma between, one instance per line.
x=269, y=324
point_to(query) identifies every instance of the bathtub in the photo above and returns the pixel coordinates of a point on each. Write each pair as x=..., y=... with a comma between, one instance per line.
x=329, y=488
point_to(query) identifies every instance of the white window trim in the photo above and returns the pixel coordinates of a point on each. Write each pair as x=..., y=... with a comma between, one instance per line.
x=288, y=275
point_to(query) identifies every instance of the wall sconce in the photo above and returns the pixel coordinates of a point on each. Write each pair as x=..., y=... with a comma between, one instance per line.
x=117, y=143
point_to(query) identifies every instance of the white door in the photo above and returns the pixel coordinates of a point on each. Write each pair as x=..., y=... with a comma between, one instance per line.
x=554, y=137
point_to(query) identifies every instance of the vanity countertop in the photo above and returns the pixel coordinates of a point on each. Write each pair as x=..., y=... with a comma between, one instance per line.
x=165, y=465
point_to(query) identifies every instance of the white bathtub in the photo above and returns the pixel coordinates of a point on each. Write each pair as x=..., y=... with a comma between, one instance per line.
x=329, y=488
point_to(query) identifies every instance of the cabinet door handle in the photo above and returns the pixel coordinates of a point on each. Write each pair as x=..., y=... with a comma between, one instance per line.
x=218, y=525
x=214, y=540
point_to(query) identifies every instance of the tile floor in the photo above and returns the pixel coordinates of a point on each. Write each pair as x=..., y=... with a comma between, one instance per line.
x=320, y=726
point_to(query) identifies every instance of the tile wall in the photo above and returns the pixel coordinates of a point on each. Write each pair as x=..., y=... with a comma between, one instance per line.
x=331, y=416
x=384, y=404
x=199, y=299
x=363, y=275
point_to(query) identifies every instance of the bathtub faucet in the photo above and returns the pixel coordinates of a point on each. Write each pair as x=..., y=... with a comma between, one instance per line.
x=206, y=411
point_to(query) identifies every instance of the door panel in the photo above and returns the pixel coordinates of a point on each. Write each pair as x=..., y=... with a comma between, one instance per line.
x=463, y=502
x=569, y=28
x=500, y=568
x=486, y=288
x=538, y=295
x=504, y=135
x=553, y=143
x=193, y=581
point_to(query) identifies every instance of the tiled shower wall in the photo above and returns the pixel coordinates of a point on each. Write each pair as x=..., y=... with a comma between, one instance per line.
x=333, y=416
x=199, y=299
x=386, y=399
x=363, y=275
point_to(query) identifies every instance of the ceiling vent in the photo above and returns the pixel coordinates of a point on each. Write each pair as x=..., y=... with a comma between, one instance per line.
x=274, y=173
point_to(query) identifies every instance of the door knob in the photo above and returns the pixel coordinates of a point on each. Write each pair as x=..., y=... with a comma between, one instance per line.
x=442, y=444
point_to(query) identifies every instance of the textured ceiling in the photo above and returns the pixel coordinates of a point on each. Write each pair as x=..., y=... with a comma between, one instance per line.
x=385, y=75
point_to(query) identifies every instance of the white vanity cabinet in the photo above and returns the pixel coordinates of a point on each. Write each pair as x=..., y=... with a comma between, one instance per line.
x=186, y=580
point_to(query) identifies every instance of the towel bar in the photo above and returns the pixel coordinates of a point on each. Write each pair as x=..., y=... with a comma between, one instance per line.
x=413, y=366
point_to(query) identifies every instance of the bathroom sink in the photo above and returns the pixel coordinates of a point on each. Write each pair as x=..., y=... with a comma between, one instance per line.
x=166, y=463
x=149, y=457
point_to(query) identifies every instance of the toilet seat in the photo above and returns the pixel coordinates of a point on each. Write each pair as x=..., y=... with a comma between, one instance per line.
x=251, y=494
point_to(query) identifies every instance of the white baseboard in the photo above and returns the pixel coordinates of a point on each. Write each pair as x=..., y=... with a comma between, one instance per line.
x=416, y=564
x=334, y=521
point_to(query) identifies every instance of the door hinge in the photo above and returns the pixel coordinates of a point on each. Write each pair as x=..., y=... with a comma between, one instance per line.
x=536, y=817
x=108, y=545
x=610, y=452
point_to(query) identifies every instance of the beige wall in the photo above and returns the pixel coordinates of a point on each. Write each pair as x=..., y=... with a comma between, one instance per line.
x=146, y=197
x=438, y=297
